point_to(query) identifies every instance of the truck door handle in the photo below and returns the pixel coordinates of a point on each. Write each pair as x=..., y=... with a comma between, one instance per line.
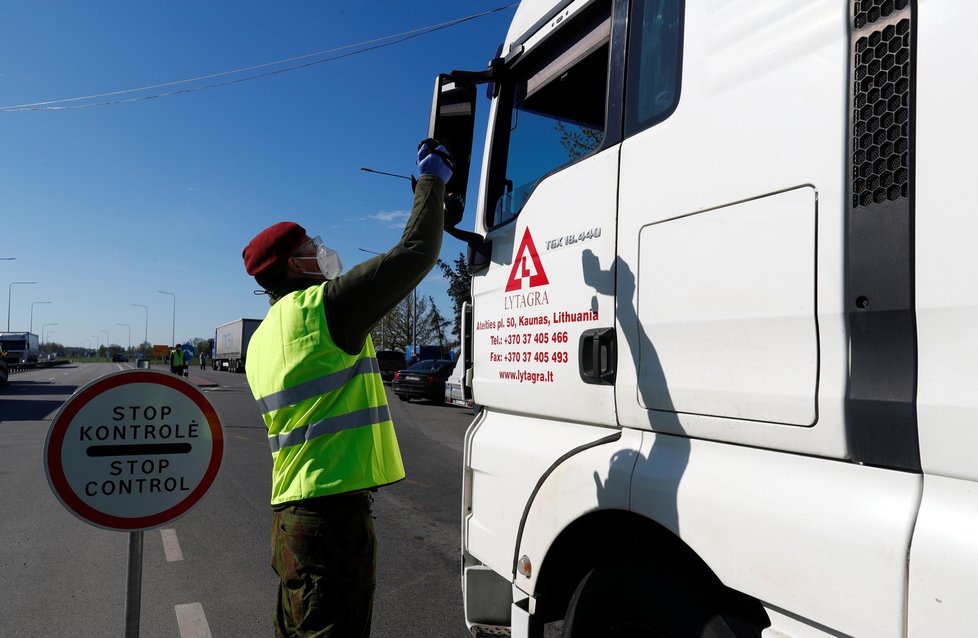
x=598, y=356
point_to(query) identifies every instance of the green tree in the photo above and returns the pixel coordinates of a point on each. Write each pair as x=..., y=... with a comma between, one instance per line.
x=437, y=324
x=459, y=288
x=399, y=323
x=396, y=330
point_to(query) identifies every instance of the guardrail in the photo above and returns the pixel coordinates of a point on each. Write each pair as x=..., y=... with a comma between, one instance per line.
x=20, y=367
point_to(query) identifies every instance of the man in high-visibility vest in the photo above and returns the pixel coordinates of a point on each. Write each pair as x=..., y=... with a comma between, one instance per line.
x=177, y=359
x=313, y=370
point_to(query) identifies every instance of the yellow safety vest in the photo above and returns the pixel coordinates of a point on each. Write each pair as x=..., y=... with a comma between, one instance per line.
x=329, y=427
x=177, y=357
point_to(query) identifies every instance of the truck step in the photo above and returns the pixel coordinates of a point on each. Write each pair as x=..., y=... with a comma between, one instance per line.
x=487, y=631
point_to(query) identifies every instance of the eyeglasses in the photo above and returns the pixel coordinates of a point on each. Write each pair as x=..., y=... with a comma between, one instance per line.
x=314, y=244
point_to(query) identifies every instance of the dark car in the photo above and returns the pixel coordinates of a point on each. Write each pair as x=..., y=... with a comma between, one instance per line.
x=423, y=380
x=120, y=358
x=390, y=362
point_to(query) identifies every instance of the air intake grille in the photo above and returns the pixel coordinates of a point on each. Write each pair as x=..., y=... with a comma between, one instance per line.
x=881, y=110
x=869, y=11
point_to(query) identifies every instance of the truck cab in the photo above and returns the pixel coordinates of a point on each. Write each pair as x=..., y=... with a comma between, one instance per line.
x=724, y=382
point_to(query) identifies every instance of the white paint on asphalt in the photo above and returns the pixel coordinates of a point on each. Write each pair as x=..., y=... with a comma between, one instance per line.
x=192, y=621
x=171, y=546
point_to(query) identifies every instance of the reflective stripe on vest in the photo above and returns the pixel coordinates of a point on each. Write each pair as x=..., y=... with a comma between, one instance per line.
x=332, y=425
x=322, y=385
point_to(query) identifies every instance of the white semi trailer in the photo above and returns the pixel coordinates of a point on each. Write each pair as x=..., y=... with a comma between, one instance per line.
x=231, y=344
x=20, y=347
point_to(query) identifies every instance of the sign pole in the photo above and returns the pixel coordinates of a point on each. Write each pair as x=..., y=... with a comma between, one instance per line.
x=134, y=583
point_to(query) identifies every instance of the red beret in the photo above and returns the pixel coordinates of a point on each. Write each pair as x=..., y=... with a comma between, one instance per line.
x=271, y=246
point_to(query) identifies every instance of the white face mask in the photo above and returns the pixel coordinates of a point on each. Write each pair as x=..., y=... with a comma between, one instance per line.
x=328, y=260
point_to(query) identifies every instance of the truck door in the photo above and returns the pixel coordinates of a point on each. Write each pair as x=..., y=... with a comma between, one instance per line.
x=544, y=310
x=759, y=236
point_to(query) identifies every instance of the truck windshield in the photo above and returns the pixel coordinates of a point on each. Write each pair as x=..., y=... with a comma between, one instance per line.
x=551, y=111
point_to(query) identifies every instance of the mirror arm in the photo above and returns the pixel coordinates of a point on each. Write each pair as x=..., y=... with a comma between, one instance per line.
x=480, y=249
x=495, y=73
x=472, y=239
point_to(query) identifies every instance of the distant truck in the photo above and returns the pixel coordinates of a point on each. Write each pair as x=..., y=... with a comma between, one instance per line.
x=421, y=353
x=458, y=386
x=231, y=344
x=20, y=347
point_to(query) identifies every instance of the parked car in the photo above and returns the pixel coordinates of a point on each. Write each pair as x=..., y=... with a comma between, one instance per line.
x=390, y=362
x=425, y=379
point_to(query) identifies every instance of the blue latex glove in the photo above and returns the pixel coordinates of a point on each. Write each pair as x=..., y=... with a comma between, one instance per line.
x=432, y=164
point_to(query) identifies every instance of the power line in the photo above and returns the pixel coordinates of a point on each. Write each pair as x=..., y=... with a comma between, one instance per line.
x=358, y=48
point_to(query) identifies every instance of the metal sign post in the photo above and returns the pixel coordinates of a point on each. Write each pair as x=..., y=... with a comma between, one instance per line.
x=134, y=583
x=132, y=451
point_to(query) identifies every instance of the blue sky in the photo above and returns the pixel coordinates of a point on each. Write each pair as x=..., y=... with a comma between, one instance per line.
x=105, y=206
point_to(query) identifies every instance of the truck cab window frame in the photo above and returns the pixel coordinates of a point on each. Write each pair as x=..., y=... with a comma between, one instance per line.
x=552, y=111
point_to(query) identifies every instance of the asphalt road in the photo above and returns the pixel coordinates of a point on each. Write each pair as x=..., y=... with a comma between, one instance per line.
x=208, y=571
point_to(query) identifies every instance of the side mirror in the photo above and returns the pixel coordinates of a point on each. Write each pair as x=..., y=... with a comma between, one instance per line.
x=452, y=123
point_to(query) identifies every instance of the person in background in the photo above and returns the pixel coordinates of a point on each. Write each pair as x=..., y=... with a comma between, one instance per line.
x=313, y=370
x=177, y=360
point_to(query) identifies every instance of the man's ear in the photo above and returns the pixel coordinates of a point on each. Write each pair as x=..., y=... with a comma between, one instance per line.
x=292, y=266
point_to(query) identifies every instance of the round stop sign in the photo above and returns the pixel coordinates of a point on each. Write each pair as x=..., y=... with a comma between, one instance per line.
x=133, y=450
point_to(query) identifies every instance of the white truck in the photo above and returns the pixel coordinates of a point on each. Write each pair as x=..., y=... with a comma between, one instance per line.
x=725, y=326
x=20, y=347
x=458, y=386
x=231, y=344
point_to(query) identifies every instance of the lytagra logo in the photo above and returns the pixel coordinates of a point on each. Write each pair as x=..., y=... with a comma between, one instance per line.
x=526, y=266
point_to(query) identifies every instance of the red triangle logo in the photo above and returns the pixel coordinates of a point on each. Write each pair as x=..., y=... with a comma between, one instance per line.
x=526, y=266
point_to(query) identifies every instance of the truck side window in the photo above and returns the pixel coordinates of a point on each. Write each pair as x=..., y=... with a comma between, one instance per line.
x=551, y=112
x=654, y=63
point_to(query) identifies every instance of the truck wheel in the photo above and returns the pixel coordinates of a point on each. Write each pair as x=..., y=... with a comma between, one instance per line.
x=643, y=601
x=403, y=397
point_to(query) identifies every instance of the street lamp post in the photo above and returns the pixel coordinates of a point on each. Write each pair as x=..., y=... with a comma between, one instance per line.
x=173, y=333
x=130, y=334
x=34, y=303
x=9, y=291
x=146, y=328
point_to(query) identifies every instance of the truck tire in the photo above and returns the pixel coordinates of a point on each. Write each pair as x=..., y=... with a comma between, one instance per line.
x=641, y=600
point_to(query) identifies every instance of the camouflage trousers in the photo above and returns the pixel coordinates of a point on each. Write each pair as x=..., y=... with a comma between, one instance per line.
x=325, y=556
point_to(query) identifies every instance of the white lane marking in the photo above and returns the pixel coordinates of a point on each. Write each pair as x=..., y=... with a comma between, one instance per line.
x=171, y=546
x=192, y=621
